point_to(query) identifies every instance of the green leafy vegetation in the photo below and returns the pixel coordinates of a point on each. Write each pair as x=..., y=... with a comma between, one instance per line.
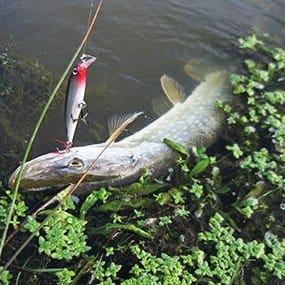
x=222, y=266
x=217, y=218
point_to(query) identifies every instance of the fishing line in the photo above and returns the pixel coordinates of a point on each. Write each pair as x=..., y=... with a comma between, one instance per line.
x=88, y=23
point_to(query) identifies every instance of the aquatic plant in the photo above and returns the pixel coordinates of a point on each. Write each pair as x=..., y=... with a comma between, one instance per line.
x=215, y=219
x=25, y=85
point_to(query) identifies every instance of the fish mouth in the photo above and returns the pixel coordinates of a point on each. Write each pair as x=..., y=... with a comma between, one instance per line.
x=87, y=60
x=53, y=180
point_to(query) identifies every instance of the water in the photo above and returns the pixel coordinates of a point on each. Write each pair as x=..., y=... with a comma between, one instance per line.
x=135, y=42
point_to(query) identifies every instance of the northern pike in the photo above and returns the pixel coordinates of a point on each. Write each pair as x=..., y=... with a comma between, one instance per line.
x=74, y=100
x=196, y=121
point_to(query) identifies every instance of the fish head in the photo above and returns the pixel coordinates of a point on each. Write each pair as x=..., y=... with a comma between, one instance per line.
x=54, y=171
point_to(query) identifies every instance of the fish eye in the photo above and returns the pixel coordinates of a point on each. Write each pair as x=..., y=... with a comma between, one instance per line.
x=76, y=163
x=75, y=71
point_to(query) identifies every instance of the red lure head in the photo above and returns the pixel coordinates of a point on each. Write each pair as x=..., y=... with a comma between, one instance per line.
x=79, y=70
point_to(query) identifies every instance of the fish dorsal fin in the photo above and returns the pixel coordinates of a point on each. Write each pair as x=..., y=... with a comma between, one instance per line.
x=172, y=89
x=160, y=105
x=118, y=123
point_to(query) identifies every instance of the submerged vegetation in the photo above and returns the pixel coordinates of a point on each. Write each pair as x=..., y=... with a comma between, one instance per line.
x=25, y=86
x=216, y=219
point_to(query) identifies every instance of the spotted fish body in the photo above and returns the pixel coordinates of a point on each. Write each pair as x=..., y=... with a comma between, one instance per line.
x=194, y=122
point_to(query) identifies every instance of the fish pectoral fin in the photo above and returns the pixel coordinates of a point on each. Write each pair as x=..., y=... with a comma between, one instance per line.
x=160, y=105
x=172, y=89
x=197, y=69
x=118, y=123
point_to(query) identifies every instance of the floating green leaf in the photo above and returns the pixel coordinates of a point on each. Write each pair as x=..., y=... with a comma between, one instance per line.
x=91, y=200
x=200, y=166
x=108, y=228
x=176, y=146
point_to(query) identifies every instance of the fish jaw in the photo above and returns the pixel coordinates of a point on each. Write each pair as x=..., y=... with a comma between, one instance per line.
x=57, y=170
x=35, y=171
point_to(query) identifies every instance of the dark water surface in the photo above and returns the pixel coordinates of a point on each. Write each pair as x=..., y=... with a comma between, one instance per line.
x=135, y=42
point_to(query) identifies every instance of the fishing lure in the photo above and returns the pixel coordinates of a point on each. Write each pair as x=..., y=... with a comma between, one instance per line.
x=74, y=100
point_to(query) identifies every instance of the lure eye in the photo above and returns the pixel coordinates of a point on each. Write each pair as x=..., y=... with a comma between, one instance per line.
x=74, y=71
x=76, y=163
